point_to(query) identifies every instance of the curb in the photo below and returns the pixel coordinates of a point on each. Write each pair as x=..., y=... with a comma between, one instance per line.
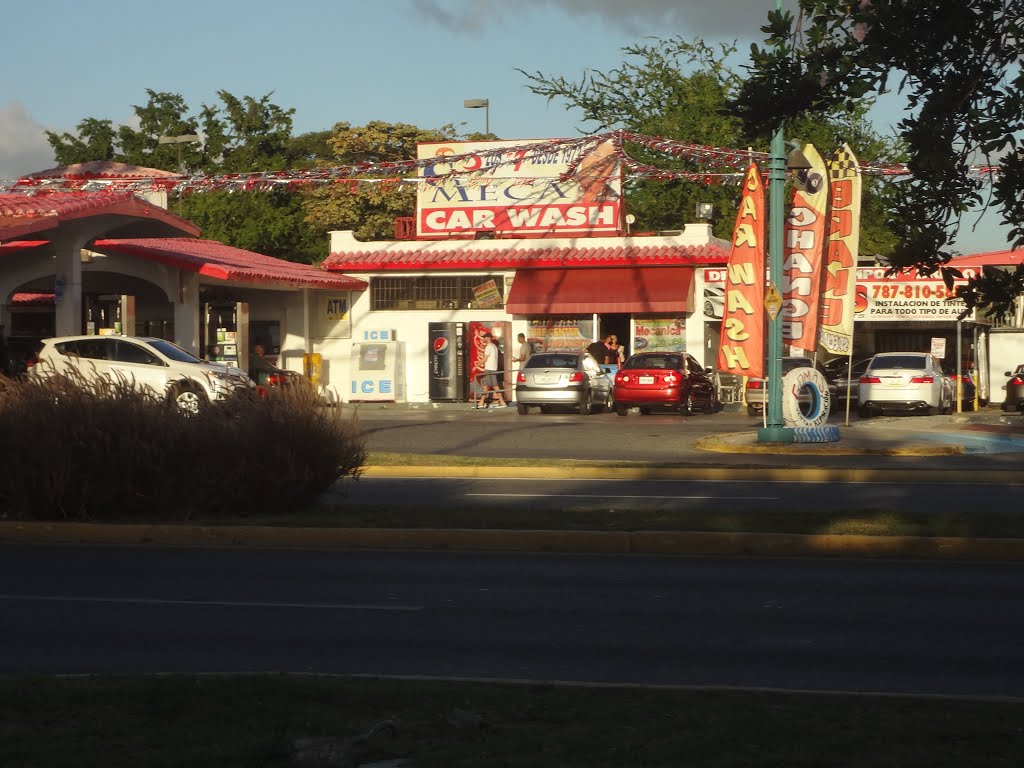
x=534, y=541
x=905, y=476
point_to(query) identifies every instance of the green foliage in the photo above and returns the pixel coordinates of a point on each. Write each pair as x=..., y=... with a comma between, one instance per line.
x=681, y=90
x=957, y=63
x=103, y=451
x=369, y=210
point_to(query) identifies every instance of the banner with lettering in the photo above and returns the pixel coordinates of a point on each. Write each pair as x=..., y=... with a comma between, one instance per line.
x=802, y=256
x=837, y=301
x=741, y=350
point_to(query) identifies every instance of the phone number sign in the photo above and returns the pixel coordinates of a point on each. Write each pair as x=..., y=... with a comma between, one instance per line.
x=906, y=297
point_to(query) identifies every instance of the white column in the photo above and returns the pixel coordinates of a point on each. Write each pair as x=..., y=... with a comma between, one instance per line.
x=68, y=284
x=186, y=312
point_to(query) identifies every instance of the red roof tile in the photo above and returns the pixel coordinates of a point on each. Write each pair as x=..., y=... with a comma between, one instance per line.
x=21, y=214
x=437, y=256
x=224, y=262
x=100, y=169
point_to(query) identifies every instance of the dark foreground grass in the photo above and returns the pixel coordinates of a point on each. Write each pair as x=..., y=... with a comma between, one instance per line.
x=109, y=722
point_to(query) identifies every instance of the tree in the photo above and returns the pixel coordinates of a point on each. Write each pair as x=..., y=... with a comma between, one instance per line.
x=369, y=206
x=680, y=90
x=958, y=64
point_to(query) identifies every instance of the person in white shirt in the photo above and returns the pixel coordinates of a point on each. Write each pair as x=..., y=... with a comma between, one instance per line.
x=489, y=380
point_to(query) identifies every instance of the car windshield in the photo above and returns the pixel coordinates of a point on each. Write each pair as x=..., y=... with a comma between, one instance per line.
x=551, y=360
x=899, y=361
x=666, y=361
x=172, y=351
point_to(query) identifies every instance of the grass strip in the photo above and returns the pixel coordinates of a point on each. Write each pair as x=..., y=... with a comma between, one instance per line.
x=276, y=720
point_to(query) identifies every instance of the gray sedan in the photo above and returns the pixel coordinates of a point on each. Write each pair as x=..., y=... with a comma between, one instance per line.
x=571, y=379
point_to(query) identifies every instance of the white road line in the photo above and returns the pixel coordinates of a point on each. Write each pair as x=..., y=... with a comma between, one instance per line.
x=217, y=603
x=611, y=496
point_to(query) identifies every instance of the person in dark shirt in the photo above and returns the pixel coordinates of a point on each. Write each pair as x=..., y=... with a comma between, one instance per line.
x=600, y=351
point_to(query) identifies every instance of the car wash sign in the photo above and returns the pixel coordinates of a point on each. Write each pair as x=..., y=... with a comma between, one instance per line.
x=518, y=189
x=906, y=297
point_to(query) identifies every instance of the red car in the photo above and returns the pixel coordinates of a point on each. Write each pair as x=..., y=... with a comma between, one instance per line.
x=669, y=380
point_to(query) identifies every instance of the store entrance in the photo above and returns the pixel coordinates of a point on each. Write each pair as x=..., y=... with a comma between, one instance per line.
x=618, y=326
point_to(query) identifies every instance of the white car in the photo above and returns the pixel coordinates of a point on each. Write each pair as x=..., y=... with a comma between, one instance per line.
x=159, y=367
x=904, y=381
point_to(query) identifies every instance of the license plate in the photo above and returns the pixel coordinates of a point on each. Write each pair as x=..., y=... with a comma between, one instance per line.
x=646, y=379
x=542, y=378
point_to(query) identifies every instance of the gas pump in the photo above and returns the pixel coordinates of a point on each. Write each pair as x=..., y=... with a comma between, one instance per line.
x=224, y=337
x=109, y=315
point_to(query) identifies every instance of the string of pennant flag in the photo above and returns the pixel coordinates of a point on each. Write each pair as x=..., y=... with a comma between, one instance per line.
x=713, y=165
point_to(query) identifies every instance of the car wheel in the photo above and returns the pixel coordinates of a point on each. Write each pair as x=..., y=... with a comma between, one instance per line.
x=545, y=409
x=712, y=403
x=645, y=411
x=968, y=405
x=187, y=399
x=522, y=409
x=609, y=402
x=687, y=409
x=865, y=412
x=621, y=409
x=586, y=404
x=752, y=411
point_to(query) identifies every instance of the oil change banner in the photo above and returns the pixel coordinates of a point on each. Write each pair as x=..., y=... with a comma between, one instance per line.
x=837, y=305
x=741, y=351
x=802, y=256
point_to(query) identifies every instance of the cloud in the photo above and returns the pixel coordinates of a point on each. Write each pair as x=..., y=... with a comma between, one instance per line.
x=718, y=20
x=23, y=145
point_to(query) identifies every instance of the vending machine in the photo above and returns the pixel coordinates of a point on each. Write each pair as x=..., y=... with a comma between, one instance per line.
x=500, y=331
x=447, y=359
x=224, y=336
x=378, y=368
x=109, y=315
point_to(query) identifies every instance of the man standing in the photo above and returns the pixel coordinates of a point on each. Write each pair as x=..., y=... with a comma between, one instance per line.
x=525, y=350
x=489, y=380
x=599, y=350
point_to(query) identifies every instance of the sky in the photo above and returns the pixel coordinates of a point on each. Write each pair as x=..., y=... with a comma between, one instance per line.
x=408, y=61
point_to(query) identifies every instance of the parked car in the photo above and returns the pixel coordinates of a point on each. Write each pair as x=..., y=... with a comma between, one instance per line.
x=574, y=379
x=756, y=390
x=265, y=374
x=968, y=390
x=672, y=380
x=156, y=366
x=904, y=382
x=836, y=372
x=17, y=354
x=1014, y=399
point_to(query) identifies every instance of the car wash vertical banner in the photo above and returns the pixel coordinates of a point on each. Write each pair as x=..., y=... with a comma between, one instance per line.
x=529, y=188
x=837, y=302
x=802, y=256
x=741, y=350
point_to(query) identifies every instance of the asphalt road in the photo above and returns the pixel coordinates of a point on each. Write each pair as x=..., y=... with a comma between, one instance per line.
x=879, y=626
x=661, y=495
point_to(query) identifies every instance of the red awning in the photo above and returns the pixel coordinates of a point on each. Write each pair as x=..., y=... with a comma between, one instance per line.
x=576, y=291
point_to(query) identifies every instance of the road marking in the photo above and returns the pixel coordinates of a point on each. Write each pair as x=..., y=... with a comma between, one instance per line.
x=614, y=496
x=216, y=603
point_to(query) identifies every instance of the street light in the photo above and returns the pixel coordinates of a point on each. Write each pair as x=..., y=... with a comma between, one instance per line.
x=483, y=104
x=190, y=138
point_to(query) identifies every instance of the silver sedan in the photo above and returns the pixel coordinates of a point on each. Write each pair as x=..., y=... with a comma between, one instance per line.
x=571, y=379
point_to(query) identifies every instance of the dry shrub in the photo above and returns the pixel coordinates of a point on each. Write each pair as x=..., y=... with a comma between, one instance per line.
x=78, y=450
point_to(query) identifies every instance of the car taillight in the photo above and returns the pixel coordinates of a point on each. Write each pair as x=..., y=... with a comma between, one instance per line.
x=755, y=384
x=672, y=378
x=576, y=376
x=520, y=378
x=31, y=362
x=275, y=379
x=621, y=378
x=922, y=380
x=1017, y=380
x=870, y=380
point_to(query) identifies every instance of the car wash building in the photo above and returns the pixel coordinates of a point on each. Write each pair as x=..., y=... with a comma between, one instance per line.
x=514, y=247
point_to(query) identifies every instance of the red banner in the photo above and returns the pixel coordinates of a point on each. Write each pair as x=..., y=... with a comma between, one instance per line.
x=802, y=256
x=837, y=306
x=741, y=350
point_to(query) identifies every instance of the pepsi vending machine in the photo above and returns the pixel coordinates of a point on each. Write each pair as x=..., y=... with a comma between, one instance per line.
x=447, y=360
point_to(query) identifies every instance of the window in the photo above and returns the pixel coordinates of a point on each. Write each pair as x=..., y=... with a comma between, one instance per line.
x=126, y=352
x=456, y=292
x=90, y=349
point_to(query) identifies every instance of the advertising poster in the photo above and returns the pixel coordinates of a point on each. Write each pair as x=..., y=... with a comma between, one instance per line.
x=841, y=248
x=659, y=334
x=741, y=350
x=562, y=335
x=802, y=255
x=487, y=296
x=507, y=188
x=907, y=297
